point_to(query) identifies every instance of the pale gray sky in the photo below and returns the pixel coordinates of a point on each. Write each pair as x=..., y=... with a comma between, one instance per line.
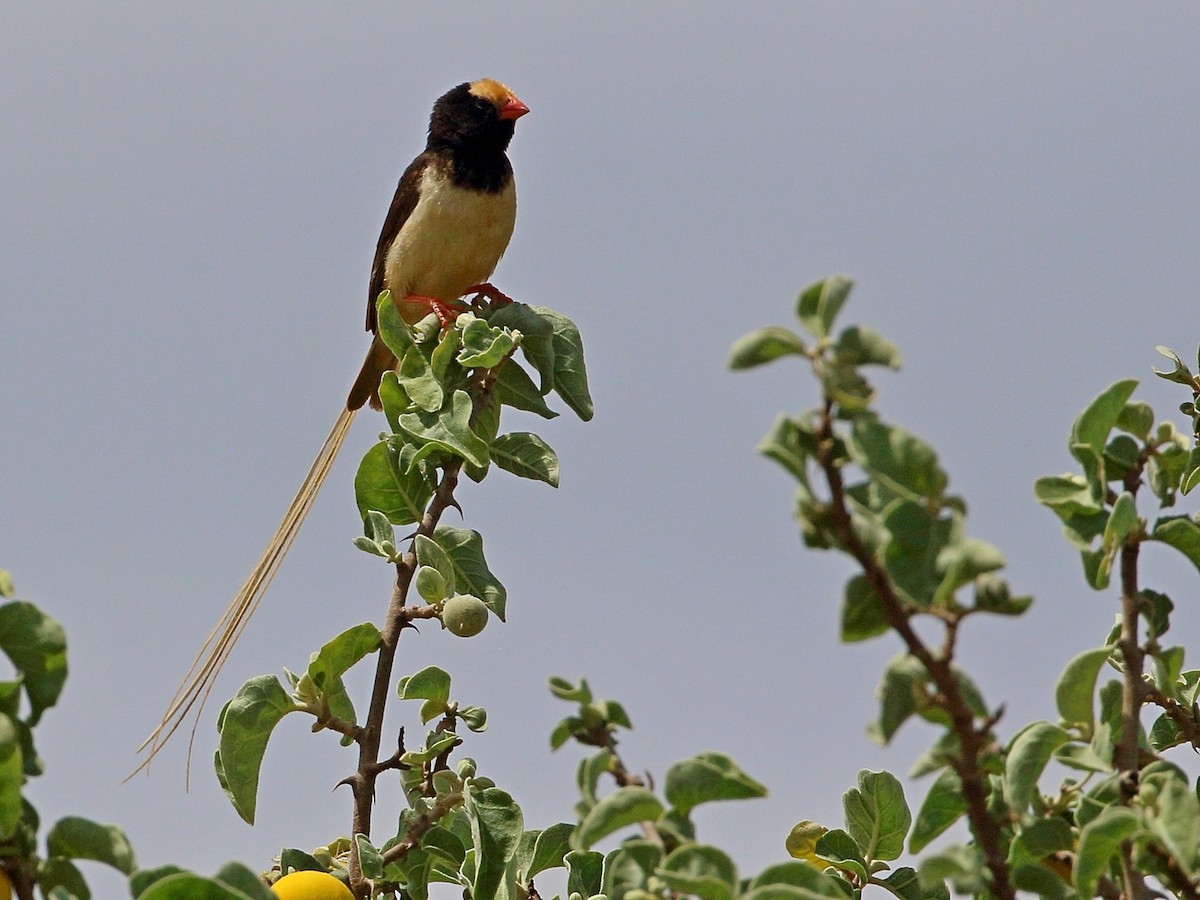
x=191, y=200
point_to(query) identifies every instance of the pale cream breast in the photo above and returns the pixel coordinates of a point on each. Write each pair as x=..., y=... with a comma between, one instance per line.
x=452, y=240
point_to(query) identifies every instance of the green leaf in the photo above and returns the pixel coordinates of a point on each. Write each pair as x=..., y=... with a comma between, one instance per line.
x=12, y=776
x=1067, y=495
x=863, y=613
x=700, y=870
x=898, y=695
x=549, y=847
x=763, y=345
x=496, y=827
x=564, y=690
x=1136, y=418
x=431, y=683
x=1076, y=688
x=1099, y=842
x=584, y=872
x=416, y=376
x=7, y=589
x=527, y=456
x=537, y=338
x=1098, y=420
x=430, y=553
x=905, y=463
x=447, y=429
x=707, y=777
x=877, y=815
x=905, y=883
x=790, y=443
x=245, y=725
x=623, y=807
x=862, y=346
x=962, y=866
x=587, y=774
x=190, y=886
x=333, y=660
x=483, y=345
x=431, y=585
x=1179, y=373
x=436, y=743
x=241, y=878
x=475, y=717
x=915, y=541
x=140, y=880
x=471, y=573
x=839, y=848
x=1190, y=477
x=825, y=887
x=1027, y=756
x=395, y=333
x=37, y=646
x=1039, y=840
x=1038, y=879
x=1181, y=533
x=420, y=381
x=444, y=843
x=398, y=491
x=570, y=373
x=1177, y=824
x=792, y=873
x=513, y=387
x=819, y=303
x=943, y=806
x=60, y=879
x=629, y=867
x=1122, y=522
x=73, y=837
x=551, y=342
x=369, y=857
x=992, y=595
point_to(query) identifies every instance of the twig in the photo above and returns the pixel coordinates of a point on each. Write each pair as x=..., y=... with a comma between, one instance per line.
x=973, y=741
x=1179, y=880
x=420, y=825
x=1182, y=717
x=399, y=617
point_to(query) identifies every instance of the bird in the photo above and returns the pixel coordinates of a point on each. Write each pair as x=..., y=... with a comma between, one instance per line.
x=449, y=223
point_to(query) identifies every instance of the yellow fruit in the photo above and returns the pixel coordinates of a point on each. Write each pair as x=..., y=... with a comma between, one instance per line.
x=6, y=891
x=311, y=886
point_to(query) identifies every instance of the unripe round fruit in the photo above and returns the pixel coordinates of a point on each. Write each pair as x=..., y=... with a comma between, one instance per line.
x=311, y=886
x=464, y=615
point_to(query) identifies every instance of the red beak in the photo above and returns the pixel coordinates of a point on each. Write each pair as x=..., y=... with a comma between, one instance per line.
x=513, y=108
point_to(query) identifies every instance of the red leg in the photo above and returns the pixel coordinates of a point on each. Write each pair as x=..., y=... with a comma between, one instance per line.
x=446, y=312
x=487, y=289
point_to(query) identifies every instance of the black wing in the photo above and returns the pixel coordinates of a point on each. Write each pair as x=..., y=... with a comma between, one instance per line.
x=405, y=201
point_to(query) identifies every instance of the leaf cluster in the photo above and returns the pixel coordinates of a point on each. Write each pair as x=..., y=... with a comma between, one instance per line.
x=36, y=646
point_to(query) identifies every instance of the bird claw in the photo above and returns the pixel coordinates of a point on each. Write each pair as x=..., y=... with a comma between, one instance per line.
x=488, y=290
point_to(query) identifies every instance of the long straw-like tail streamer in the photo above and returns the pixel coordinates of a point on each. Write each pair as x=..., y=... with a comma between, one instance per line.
x=198, y=682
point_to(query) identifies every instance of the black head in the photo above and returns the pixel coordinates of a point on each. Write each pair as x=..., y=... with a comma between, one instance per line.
x=477, y=117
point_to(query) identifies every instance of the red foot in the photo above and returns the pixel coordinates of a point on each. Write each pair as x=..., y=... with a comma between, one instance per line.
x=446, y=312
x=487, y=289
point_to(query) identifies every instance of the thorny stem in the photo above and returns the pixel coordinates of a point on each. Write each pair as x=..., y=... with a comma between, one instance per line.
x=973, y=741
x=399, y=616
x=362, y=783
x=1126, y=754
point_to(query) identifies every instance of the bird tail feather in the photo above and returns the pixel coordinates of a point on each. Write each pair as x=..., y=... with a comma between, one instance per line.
x=198, y=683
